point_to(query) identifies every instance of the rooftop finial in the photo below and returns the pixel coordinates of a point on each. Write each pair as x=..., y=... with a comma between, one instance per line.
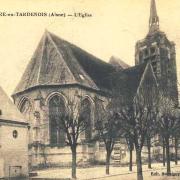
x=154, y=19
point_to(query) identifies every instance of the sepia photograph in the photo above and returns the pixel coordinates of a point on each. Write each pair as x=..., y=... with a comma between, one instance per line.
x=89, y=89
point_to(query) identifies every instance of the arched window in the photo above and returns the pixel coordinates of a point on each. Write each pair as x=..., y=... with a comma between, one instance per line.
x=86, y=114
x=56, y=108
x=26, y=109
x=25, y=106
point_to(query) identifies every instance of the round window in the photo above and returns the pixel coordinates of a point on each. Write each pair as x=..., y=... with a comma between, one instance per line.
x=15, y=134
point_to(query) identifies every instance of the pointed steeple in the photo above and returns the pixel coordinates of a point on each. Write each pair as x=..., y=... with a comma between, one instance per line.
x=154, y=19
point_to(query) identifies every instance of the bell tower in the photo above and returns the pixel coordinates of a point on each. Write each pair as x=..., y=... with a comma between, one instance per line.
x=160, y=52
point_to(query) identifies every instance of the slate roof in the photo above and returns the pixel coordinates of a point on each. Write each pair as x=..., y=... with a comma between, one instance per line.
x=118, y=63
x=82, y=67
x=126, y=81
x=9, y=111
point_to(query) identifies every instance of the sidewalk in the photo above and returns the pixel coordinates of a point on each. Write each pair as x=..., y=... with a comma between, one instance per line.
x=99, y=172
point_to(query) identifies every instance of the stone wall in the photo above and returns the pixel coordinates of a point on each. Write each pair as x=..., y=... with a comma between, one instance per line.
x=39, y=130
x=14, y=150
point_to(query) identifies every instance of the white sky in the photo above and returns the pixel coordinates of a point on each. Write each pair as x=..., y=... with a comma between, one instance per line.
x=113, y=30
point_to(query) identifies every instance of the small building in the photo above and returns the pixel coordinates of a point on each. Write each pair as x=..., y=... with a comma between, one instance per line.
x=13, y=139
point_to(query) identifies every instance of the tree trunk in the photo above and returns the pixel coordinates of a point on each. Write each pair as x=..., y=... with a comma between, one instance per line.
x=168, y=156
x=176, y=150
x=73, y=149
x=139, y=164
x=149, y=152
x=130, y=159
x=164, y=153
x=108, y=156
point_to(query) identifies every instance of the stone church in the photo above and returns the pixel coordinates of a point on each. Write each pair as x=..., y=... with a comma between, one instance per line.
x=59, y=70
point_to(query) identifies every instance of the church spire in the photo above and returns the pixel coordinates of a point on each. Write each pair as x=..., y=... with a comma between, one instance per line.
x=154, y=19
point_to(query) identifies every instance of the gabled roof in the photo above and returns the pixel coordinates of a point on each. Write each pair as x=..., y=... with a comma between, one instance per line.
x=58, y=62
x=118, y=63
x=126, y=81
x=9, y=111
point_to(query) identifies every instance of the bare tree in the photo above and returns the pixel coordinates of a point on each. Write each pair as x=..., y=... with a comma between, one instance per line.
x=130, y=144
x=168, y=123
x=73, y=122
x=136, y=122
x=107, y=127
x=176, y=140
x=163, y=144
x=164, y=152
x=151, y=133
x=136, y=114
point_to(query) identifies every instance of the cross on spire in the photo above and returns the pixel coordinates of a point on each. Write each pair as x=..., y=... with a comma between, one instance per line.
x=154, y=19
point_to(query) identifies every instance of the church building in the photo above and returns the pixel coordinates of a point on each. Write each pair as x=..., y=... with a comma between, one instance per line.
x=59, y=70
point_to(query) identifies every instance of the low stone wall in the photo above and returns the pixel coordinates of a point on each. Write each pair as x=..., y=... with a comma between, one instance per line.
x=92, y=154
x=62, y=156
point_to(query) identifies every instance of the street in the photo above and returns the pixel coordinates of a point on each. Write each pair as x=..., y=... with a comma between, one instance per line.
x=116, y=173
